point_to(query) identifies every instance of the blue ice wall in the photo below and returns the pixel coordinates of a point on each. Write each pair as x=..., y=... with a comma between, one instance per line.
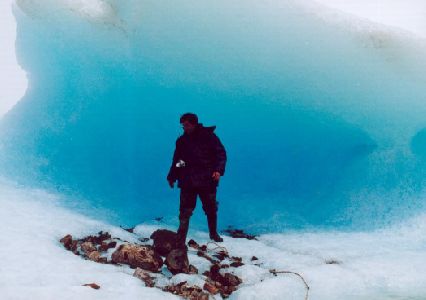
x=322, y=121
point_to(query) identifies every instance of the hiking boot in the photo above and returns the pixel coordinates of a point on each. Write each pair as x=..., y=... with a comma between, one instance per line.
x=216, y=237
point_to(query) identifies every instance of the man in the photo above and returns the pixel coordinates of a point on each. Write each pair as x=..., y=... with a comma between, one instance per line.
x=198, y=163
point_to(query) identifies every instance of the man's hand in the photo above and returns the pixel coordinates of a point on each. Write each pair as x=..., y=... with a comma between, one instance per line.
x=171, y=183
x=216, y=176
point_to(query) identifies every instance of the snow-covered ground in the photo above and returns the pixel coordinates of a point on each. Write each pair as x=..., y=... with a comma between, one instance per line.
x=387, y=264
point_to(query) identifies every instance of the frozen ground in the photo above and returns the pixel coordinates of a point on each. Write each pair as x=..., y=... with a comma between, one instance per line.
x=386, y=264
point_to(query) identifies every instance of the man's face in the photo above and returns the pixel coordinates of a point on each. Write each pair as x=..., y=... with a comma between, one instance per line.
x=188, y=128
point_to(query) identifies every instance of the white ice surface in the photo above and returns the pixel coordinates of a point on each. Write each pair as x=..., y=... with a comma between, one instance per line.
x=386, y=264
x=409, y=15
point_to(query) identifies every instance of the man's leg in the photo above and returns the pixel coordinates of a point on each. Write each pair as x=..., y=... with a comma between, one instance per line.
x=188, y=200
x=208, y=199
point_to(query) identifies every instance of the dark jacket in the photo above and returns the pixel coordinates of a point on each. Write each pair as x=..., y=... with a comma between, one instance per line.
x=203, y=154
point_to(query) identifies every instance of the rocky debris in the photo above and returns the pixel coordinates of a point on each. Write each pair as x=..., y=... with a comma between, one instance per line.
x=105, y=246
x=177, y=261
x=92, y=285
x=210, y=286
x=201, y=253
x=97, y=240
x=96, y=257
x=87, y=247
x=145, y=277
x=221, y=255
x=236, y=262
x=193, y=269
x=66, y=241
x=187, y=292
x=239, y=234
x=147, y=260
x=225, y=284
x=193, y=244
x=135, y=256
x=164, y=241
x=131, y=230
x=332, y=262
x=90, y=247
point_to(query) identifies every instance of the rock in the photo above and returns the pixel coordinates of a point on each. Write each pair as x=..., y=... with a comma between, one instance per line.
x=74, y=246
x=231, y=280
x=193, y=244
x=206, y=256
x=96, y=257
x=144, y=276
x=221, y=255
x=236, y=264
x=210, y=287
x=187, y=292
x=193, y=269
x=164, y=241
x=105, y=246
x=67, y=241
x=226, y=284
x=239, y=234
x=135, y=256
x=92, y=285
x=177, y=261
x=88, y=247
x=97, y=240
x=131, y=230
x=254, y=258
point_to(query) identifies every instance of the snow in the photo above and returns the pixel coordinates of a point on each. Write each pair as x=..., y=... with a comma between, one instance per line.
x=407, y=15
x=380, y=265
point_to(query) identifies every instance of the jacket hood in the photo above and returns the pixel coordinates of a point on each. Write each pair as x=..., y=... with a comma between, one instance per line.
x=201, y=130
x=209, y=129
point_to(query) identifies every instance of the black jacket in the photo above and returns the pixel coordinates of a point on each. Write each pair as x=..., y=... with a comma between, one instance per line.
x=203, y=153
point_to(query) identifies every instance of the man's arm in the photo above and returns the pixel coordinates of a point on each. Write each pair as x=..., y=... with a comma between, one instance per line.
x=172, y=176
x=220, y=155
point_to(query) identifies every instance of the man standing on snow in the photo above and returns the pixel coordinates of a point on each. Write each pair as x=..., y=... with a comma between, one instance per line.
x=198, y=162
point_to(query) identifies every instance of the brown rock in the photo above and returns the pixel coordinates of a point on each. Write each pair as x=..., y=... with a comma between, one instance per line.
x=74, y=246
x=144, y=276
x=96, y=257
x=66, y=241
x=177, y=261
x=193, y=269
x=193, y=244
x=210, y=287
x=206, y=256
x=231, y=280
x=138, y=256
x=105, y=246
x=239, y=234
x=87, y=247
x=254, y=258
x=221, y=255
x=97, y=240
x=236, y=264
x=164, y=241
x=92, y=285
x=187, y=292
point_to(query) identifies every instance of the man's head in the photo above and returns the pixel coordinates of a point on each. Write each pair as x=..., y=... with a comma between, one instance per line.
x=189, y=122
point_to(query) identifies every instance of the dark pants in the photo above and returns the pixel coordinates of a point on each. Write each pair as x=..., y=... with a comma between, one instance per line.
x=188, y=201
